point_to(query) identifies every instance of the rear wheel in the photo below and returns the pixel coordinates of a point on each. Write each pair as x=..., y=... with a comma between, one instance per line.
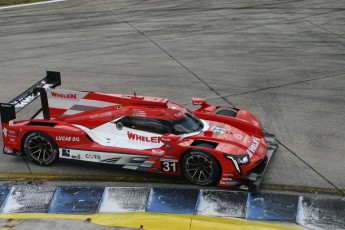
x=200, y=168
x=41, y=148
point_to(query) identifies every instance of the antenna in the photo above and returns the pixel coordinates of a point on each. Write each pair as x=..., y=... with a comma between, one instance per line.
x=135, y=94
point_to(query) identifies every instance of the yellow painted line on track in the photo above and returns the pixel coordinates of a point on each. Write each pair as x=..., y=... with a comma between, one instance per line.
x=153, y=221
x=157, y=221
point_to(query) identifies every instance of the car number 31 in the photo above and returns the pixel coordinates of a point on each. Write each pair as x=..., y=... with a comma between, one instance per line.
x=169, y=166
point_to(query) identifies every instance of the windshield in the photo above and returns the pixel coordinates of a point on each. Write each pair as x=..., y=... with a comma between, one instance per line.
x=188, y=124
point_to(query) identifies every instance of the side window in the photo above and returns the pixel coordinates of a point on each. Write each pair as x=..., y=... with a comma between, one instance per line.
x=147, y=124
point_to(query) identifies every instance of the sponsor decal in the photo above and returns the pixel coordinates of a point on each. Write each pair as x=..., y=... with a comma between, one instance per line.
x=25, y=100
x=181, y=113
x=67, y=138
x=136, y=137
x=8, y=150
x=261, y=149
x=138, y=113
x=171, y=157
x=246, y=139
x=218, y=130
x=72, y=96
x=238, y=137
x=228, y=182
x=5, y=132
x=7, y=106
x=252, y=148
x=66, y=152
x=225, y=174
x=76, y=157
x=100, y=115
x=11, y=132
x=168, y=139
x=8, y=132
x=158, y=152
x=93, y=156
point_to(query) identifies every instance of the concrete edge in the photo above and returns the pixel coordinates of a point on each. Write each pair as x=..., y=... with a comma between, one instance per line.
x=44, y=177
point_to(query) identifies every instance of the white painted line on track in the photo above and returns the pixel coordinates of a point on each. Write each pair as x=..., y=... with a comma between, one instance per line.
x=30, y=4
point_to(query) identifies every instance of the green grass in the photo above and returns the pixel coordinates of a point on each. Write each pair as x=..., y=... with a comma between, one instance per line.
x=16, y=2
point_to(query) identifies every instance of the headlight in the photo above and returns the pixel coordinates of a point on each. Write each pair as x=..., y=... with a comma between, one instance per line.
x=242, y=159
x=238, y=160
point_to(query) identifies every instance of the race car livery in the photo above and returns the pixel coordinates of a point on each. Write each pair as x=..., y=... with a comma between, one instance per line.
x=212, y=145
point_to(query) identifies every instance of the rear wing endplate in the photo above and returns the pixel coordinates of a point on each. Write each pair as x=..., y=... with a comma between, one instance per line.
x=8, y=110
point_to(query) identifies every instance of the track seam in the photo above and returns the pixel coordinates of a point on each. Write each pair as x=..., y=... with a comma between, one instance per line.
x=165, y=51
x=277, y=86
x=283, y=85
x=309, y=166
x=31, y=174
x=315, y=15
x=314, y=24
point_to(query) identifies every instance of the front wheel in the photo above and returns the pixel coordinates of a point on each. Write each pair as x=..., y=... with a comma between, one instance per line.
x=200, y=168
x=41, y=148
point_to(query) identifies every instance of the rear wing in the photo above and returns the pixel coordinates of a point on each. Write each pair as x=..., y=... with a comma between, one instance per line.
x=8, y=110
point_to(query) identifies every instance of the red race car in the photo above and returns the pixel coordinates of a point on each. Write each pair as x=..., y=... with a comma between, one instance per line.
x=213, y=145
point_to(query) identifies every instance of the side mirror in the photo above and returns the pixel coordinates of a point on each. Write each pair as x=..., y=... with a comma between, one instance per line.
x=199, y=101
x=170, y=138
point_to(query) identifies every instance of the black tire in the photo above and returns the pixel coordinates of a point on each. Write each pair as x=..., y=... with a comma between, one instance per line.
x=227, y=112
x=41, y=148
x=200, y=167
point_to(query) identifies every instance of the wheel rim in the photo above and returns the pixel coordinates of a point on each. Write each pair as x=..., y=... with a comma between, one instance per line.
x=40, y=149
x=199, y=168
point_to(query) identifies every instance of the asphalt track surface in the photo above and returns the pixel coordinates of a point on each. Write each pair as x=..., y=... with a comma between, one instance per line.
x=282, y=60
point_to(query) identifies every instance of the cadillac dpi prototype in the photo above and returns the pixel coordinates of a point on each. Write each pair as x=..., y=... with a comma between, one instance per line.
x=212, y=145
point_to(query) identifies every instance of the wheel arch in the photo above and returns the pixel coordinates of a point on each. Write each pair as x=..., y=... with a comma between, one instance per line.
x=58, y=130
x=209, y=150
